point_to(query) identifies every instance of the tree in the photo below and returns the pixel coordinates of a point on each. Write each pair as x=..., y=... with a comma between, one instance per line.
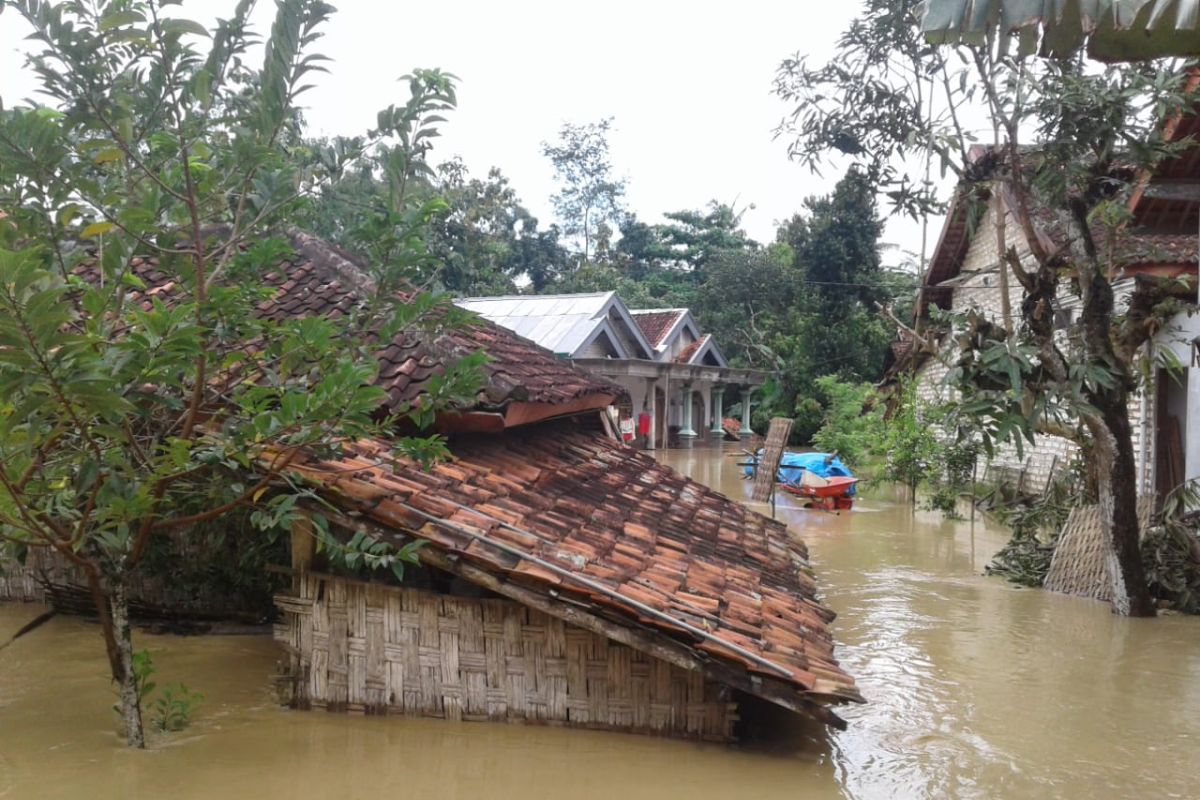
x=690, y=239
x=124, y=417
x=837, y=247
x=803, y=307
x=890, y=95
x=589, y=193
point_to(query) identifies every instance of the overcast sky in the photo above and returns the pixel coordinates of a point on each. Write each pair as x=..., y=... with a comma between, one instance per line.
x=688, y=83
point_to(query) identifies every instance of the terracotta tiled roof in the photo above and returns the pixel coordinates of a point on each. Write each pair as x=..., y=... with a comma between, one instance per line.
x=321, y=279
x=686, y=354
x=620, y=518
x=1129, y=250
x=657, y=324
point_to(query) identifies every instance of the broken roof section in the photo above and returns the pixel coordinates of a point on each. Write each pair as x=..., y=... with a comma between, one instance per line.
x=524, y=382
x=565, y=323
x=602, y=529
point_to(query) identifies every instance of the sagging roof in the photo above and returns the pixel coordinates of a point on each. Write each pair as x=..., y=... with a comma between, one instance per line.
x=1164, y=202
x=565, y=323
x=320, y=279
x=638, y=530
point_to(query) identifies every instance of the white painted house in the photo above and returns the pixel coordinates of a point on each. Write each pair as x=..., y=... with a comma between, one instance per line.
x=1162, y=240
x=673, y=372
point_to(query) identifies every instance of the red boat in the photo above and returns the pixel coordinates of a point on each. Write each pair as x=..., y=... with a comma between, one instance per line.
x=829, y=494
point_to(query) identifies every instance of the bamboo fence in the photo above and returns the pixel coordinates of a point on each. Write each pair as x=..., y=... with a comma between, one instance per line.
x=370, y=648
x=1079, y=565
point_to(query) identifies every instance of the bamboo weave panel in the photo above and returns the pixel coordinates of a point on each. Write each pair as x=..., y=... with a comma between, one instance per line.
x=768, y=465
x=380, y=649
x=27, y=583
x=1078, y=565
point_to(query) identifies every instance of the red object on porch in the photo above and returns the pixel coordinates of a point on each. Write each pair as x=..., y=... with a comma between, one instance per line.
x=643, y=423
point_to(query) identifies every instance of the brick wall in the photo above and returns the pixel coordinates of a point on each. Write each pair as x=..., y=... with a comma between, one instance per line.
x=980, y=290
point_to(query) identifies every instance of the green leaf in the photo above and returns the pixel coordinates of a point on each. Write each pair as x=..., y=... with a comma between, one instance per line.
x=96, y=229
x=117, y=19
x=182, y=26
x=107, y=155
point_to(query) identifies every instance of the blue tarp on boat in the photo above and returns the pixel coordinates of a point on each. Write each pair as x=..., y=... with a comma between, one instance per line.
x=822, y=464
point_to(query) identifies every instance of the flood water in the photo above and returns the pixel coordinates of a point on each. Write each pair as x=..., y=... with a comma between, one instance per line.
x=976, y=689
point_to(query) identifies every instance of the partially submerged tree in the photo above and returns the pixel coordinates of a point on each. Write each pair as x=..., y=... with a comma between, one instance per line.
x=124, y=418
x=891, y=97
x=590, y=193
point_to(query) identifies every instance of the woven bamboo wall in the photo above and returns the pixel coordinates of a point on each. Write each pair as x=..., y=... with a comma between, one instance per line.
x=378, y=649
x=23, y=582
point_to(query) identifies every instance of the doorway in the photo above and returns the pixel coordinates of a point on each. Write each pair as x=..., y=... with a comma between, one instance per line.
x=1170, y=431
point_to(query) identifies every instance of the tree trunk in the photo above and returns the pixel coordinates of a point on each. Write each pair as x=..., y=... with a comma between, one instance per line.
x=1117, y=493
x=112, y=604
x=1117, y=486
x=1001, y=217
x=130, y=703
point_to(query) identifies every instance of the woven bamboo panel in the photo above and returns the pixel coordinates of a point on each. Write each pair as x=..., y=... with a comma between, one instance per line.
x=1078, y=565
x=377, y=649
x=768, y=465
x=28, y=583
x=25, y=582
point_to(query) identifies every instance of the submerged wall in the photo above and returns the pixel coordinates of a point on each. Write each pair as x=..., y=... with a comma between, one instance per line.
x=381, y=649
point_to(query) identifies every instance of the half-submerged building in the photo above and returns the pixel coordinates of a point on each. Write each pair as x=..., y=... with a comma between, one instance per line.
x=668, y=368
x=565, y=577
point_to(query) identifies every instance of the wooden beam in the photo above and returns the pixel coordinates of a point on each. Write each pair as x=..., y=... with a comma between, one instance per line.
x=1172, y=190
x=304, y=545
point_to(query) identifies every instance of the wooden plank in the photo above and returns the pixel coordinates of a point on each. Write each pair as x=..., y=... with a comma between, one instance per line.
x=768, y=465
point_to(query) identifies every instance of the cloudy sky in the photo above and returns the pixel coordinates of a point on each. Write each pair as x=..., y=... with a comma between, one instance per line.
x=688, y=83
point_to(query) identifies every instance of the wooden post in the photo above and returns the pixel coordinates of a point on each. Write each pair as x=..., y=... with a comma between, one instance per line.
x=304, y=547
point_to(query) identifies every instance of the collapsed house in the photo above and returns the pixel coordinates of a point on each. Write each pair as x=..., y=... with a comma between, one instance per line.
x=564, y=577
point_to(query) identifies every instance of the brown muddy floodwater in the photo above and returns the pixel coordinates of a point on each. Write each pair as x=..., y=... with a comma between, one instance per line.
x=977, y=689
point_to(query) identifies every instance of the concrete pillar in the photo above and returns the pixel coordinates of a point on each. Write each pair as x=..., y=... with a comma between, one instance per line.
x=685, y=411
x=718, y=410
x=745, y=431
x=652, y=409
x=1191, y=447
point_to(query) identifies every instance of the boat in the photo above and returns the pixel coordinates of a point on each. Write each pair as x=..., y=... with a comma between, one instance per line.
x=820, y=478
x=835, y=493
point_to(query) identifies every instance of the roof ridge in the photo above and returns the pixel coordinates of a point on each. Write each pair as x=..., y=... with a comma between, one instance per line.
x=532, y=296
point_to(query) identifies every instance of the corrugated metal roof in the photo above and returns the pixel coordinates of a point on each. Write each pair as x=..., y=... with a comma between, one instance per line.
x=558, y=322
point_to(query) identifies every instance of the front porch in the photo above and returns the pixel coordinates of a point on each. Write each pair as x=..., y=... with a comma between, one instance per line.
x=684, y=403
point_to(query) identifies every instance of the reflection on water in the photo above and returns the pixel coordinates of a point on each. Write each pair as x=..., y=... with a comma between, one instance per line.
x=976, y=689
